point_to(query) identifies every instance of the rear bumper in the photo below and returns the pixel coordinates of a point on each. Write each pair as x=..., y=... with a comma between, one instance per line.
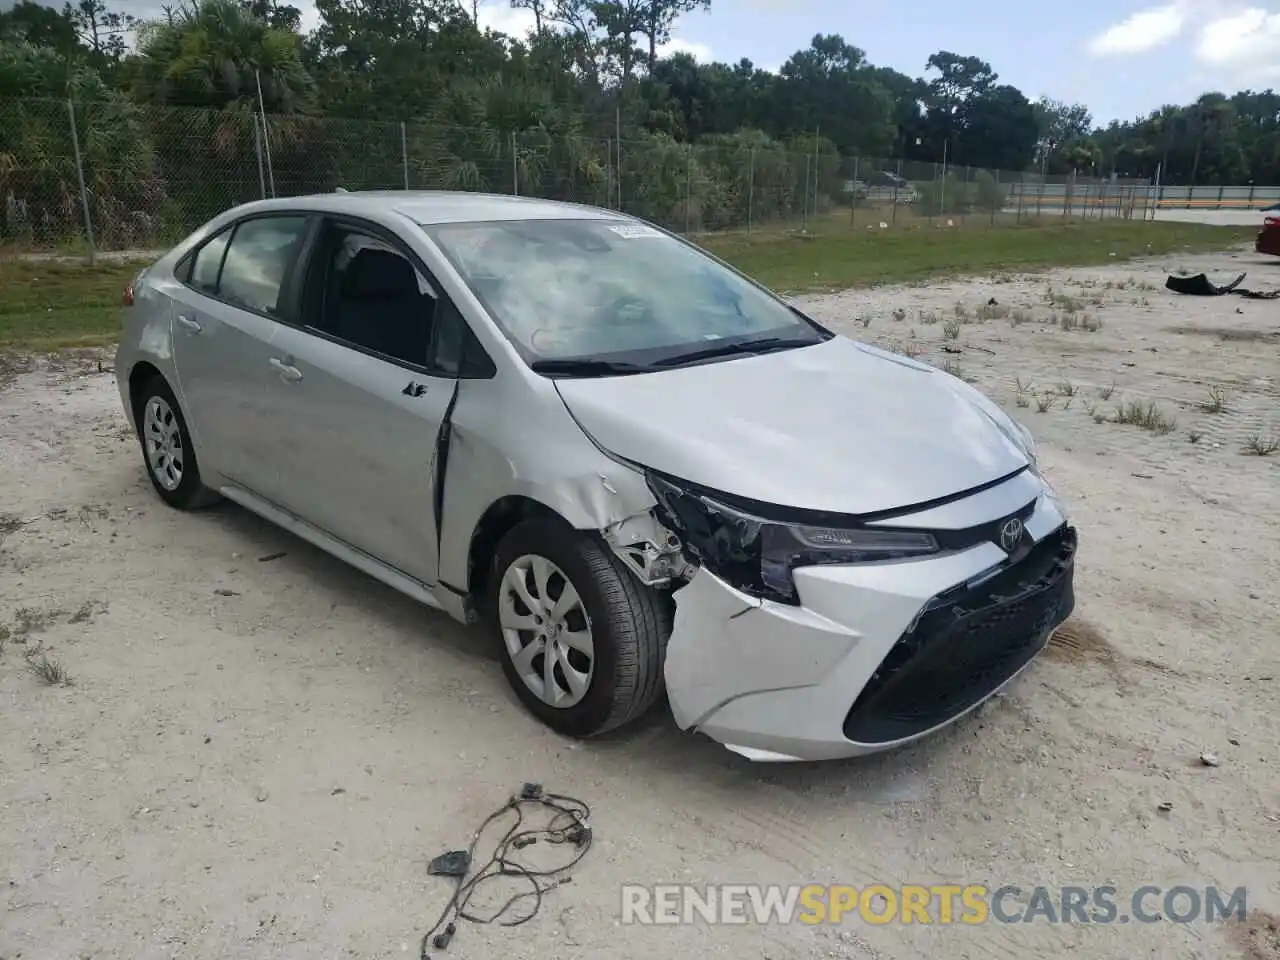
x=875, y=656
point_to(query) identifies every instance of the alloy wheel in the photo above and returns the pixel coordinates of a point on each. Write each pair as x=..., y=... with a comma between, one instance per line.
x=546, y=631
x=163, y=439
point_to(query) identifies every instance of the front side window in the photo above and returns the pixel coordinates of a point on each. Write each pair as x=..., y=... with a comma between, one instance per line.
x=617, y=290
x=261, y=252
x=374, y=297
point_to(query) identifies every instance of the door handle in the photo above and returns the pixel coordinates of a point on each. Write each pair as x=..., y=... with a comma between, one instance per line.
x=414, y=389
x=288, y=372
x=190, y=324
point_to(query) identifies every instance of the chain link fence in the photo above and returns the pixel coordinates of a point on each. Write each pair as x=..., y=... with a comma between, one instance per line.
x=116, y=175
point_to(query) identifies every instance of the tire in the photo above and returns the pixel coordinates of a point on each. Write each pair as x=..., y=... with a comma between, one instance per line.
x=627, y=622
x=159, y=417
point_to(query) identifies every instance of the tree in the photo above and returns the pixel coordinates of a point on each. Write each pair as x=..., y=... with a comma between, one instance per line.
x=101, y=30
x=1000, y=132
x=657, y=18
x=218, y=54
x=1059, y=124
x=42, y=27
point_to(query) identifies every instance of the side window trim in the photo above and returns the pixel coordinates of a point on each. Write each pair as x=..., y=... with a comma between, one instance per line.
x=231, y=230
x=444, y=303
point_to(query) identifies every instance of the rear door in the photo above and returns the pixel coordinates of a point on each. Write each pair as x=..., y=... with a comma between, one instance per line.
x=234, y=288
x=358, y=402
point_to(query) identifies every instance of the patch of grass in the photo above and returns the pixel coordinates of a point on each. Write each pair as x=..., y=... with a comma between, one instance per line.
x=1068, y=321
x=899, y=314
x=1063, y=301
x=1106, y=392
x=1147, y=415
x=1045, y=402
x=951, y=329
x=1091, y=323
x=1067, y=388
x=50, y=304
x=1019, y=317
x=1194, y=436
x=952, y=366
x=48, y=671
x=1260, y=446
x=28, y=620
x=911, y=251
x=1216, y=401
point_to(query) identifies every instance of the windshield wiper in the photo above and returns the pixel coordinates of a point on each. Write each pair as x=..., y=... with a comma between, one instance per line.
x=587, y=367
x=760, y=345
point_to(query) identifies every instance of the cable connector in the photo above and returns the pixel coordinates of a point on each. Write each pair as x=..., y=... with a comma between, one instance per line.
x=455, y=863
x=441, y=940
x=531, y=791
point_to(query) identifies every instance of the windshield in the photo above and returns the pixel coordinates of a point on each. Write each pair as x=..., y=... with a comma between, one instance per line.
x=568, y=290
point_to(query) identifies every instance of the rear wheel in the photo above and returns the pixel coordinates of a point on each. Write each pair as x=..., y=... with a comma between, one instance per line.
x=583, y=640
x=167, y=450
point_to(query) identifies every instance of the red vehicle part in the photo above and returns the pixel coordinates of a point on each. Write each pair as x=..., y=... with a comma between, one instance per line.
x=1269, y=237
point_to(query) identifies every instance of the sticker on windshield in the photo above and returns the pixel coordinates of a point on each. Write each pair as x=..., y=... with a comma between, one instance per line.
x=633, y=231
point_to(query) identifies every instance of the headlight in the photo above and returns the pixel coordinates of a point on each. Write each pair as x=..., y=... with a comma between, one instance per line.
x=757, y=556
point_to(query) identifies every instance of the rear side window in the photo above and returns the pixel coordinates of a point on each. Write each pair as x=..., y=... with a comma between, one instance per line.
x=260, y=255
x=204, y=271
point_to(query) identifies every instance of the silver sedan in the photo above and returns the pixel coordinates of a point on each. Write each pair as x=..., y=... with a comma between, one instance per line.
x=645, y=471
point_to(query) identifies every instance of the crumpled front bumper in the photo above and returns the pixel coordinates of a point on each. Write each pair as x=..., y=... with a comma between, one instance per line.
x=875, y=656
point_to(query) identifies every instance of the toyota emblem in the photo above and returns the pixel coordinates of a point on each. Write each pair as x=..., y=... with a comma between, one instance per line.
x=1010, y=535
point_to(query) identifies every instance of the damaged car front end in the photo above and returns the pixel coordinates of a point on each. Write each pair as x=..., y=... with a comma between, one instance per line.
x=794, y=641
x=841, y=550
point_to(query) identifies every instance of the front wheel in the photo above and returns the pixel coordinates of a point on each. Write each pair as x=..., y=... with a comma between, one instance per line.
x=583, y=640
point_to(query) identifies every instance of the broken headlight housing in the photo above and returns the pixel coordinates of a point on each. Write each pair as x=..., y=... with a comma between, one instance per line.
x=757, y=555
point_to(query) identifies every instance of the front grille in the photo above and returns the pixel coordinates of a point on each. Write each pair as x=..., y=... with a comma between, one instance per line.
x=968, y=642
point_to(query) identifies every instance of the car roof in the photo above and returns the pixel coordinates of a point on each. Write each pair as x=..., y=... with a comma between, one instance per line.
x=428, y=207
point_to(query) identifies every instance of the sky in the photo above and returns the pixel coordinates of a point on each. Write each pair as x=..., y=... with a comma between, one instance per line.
x=1120, y=58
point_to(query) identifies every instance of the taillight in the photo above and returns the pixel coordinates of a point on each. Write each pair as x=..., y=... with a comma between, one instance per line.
x=128, y=295
x=1270, y=221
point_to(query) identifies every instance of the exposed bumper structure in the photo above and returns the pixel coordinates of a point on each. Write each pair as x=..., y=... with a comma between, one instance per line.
x=875, y=656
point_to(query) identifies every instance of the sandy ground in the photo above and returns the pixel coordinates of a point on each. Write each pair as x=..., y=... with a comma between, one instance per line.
x=257, y=758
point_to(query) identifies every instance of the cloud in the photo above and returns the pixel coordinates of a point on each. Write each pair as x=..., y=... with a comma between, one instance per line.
x=1242, y=45
x=1144, y=30
x=699, y=51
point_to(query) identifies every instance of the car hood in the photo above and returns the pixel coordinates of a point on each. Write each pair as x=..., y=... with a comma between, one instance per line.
x=839, y=426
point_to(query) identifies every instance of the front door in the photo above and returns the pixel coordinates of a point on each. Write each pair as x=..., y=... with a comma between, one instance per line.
x=356, y=407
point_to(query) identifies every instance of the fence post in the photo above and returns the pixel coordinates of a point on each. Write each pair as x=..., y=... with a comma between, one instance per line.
x=893, y=214
x=404, y=152
x=266, y=146
x=84, y=194
x=804, y=209
x=997, y=197
x=515, y=167
x=688, y=183
x=751, y=187
x=257, y=148
x=1159, y=193
x=853, y=195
